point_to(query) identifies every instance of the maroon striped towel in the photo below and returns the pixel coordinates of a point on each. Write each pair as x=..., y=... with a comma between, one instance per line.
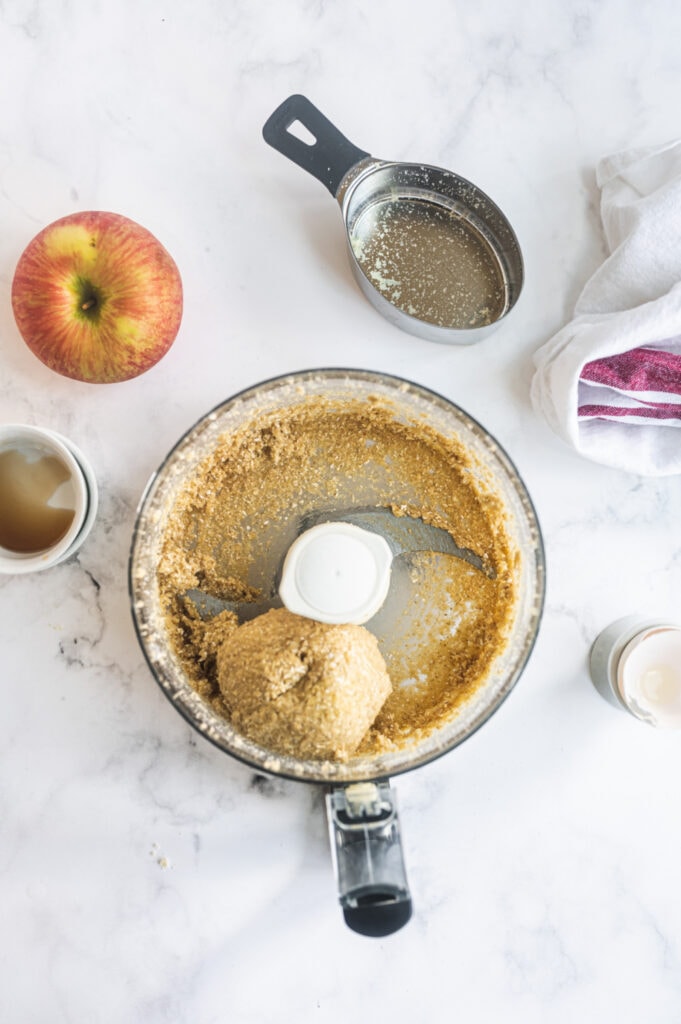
x=609, y=382
x=639, y=386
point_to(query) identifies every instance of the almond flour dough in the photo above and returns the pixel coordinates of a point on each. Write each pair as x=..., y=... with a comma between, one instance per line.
x=300, y=687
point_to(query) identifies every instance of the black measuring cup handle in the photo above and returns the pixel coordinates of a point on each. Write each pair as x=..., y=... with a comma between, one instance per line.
x=328, y=158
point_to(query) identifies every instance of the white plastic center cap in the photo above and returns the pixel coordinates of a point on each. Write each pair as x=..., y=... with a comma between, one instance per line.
x=336, y=572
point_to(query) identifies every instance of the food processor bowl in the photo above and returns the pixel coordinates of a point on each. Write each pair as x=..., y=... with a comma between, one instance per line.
x=410, y=403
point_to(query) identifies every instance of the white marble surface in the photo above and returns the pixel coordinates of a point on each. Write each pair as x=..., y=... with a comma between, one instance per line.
x=145, y=876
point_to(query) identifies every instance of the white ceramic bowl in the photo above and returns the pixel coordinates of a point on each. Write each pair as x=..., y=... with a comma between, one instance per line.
x=84, y=496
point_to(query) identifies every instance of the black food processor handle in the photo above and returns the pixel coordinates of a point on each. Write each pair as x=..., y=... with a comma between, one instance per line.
x=367, y=853
x=328, y=157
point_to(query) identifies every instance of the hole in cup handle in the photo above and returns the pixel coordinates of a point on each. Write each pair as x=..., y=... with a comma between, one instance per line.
x=298, y=130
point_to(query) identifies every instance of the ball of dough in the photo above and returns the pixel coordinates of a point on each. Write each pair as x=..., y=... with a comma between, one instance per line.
x=300, y=687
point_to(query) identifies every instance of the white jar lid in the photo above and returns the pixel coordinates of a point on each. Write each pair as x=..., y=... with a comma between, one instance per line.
x=337, y=573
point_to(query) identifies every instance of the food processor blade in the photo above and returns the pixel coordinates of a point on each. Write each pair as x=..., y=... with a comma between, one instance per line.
x=405, y=534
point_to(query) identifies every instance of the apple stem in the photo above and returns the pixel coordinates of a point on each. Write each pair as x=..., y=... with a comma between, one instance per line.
x=88, y=305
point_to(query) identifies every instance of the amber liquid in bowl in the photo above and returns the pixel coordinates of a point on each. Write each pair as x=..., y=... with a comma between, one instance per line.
x=32, y=513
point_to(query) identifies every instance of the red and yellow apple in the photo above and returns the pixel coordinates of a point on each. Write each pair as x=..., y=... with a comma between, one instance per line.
x=97, y=298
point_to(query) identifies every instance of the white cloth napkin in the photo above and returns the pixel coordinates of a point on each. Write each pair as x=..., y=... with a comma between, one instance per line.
x=609, y=382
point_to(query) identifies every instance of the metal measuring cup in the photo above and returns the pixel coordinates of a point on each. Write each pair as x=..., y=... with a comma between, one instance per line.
x=429, y=249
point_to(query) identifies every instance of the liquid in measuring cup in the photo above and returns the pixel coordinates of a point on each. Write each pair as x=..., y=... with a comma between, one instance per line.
x=429, y=262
